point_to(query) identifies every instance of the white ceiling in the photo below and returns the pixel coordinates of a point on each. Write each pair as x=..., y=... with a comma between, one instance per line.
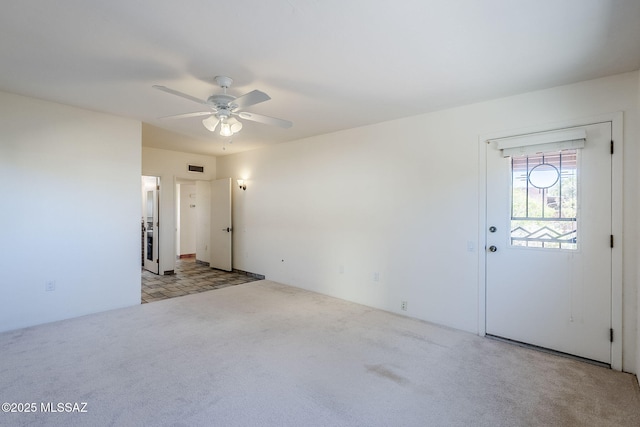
x=327, y=64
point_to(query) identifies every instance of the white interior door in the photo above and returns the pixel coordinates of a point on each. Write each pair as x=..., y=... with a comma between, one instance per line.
x=150, y=215
x=221, y=227
x=548, y=265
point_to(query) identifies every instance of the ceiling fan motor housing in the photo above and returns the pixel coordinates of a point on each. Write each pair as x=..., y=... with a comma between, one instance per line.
x=221, y=101
x=224, y=81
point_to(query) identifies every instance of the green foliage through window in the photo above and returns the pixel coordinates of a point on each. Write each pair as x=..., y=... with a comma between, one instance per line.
x=544, y=199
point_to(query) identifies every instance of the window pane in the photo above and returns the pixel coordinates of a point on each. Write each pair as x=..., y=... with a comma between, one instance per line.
x=544, y=199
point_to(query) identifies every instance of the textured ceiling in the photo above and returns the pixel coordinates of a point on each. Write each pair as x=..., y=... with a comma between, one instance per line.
x=327, y=65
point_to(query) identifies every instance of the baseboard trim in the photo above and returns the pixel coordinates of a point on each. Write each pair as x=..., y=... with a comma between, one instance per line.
x=235, y=270
x=247, y=273
x=182, y=256
x=549, y=351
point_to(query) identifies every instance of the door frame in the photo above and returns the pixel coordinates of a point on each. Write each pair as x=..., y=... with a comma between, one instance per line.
x=155, y=247
x=616, y=120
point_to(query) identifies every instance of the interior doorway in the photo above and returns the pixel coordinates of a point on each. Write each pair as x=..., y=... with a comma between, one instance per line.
x=150, y=223
x=203, y=226
x=192, y=210
x=186, y=219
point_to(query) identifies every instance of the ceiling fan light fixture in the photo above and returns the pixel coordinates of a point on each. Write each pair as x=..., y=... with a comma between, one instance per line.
x=225, y=129
x=229, y=126
x=236, y=125
x=211, y=123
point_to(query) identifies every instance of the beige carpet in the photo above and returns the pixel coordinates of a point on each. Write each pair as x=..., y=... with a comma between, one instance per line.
x=265, y=354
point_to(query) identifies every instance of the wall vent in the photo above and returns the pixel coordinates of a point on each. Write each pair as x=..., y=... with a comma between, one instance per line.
x=195, y=168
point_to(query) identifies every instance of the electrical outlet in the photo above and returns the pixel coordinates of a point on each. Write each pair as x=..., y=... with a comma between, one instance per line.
x=50, y=286
x=376, y=277
x=403, y=305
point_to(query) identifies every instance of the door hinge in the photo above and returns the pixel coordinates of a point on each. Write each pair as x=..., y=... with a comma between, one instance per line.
x=611, y=241
x=157, y=260
x=611, y=335
x=158, y=187
x=612, y=146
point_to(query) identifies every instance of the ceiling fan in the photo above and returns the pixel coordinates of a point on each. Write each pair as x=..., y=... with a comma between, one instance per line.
x=224, y=108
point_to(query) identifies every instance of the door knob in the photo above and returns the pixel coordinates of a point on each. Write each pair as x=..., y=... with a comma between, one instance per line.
x=492, y=248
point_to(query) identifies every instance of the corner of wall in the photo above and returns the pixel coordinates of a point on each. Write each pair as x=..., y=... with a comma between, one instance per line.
x=637, y=236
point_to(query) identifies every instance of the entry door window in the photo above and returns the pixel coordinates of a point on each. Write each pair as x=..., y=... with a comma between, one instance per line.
x=544, y=200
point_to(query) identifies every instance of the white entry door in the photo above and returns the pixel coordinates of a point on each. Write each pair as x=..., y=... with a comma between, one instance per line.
x=221, y=226
x=150, y=215
x=548, y=234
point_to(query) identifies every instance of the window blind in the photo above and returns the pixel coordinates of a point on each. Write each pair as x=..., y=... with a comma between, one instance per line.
x=542, y=142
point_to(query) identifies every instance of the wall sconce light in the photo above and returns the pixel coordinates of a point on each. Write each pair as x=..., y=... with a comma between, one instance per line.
x=241, y=184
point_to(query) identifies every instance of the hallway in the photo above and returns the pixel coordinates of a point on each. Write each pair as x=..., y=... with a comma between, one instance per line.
x=189, y=278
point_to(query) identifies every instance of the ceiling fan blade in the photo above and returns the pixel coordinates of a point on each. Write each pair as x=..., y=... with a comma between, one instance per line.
x=211, y=123
x=265, y=119
x=180, y=94
x=185, y=115
x=252, y=98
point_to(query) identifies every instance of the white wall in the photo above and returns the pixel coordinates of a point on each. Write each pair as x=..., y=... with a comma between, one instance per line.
x=401, y=199
x=187, y=219
x=70, y=187
x=170, y=166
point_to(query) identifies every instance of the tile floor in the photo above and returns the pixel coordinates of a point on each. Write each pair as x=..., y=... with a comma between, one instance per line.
x=189, y=278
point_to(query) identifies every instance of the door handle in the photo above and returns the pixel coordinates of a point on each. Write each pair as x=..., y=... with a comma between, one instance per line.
x=228, y=229
x=492, y=248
